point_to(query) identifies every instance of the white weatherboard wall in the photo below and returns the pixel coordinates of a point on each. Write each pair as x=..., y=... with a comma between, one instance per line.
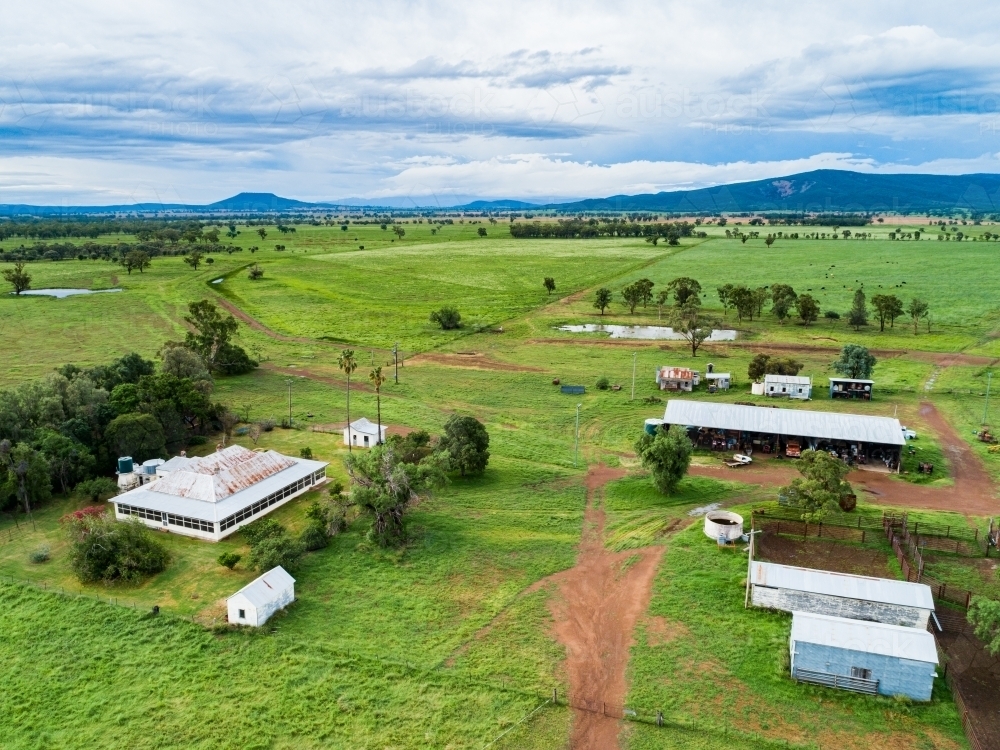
x=791, y=589
x=255, y=603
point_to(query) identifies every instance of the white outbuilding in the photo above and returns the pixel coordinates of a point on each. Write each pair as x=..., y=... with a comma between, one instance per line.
x=364, y=434
x=258, y=600
x=788, y=386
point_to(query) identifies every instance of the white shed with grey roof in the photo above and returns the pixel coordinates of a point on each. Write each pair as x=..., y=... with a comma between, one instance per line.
x=363, y=433
x=258, y=600
x=213, y=496
x=859, y=438
x=792, y=589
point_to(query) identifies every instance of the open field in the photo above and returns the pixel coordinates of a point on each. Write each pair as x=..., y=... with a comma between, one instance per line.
x=462, y=616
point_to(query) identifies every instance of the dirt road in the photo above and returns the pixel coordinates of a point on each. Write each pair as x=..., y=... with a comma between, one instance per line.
x=972, y=492
x=600, y=600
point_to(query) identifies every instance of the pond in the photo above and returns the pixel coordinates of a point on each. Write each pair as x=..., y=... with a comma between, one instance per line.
x=644, y=332
x=61, y=293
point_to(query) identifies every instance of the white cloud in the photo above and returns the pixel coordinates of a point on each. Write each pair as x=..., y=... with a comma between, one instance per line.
x=378, y=98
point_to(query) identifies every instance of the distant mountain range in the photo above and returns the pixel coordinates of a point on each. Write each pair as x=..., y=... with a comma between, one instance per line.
x=820, y=191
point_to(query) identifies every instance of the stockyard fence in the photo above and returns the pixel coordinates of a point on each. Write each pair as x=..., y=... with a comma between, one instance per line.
x=550, y=699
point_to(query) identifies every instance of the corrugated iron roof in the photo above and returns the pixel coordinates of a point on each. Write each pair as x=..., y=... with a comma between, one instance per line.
x=365, y=427
x=851, y=380
x=897, y=641
x=844, y=585
x=788, y=379
x=268, y=587
x=677, y=373
x=221, y=474
x=794, y=422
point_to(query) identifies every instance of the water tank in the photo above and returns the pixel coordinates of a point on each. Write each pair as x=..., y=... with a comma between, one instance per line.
x=127, y=482
x=125, y=465
x=723, y=525
x=652, y=425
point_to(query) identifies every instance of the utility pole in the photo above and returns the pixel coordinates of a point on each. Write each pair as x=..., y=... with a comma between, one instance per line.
x=989, y=379
x=633, y=375
x=289, y=381
x=395, y=360
x=576, y=442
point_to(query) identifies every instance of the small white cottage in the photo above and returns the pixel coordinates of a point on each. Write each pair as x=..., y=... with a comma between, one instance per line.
x=364, y=434
x=788, y=386
x=258, y=600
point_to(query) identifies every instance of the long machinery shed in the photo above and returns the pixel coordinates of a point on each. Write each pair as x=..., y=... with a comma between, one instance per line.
x=792, y=589
x=857, y=438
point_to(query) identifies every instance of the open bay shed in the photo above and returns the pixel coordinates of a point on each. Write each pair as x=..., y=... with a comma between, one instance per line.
x=866, y=657
x=258, y=600
x=857, y=439
x=822, y=592
x=213, y=496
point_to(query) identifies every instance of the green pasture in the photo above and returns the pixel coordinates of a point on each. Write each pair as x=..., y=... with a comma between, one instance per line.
x=440, y=643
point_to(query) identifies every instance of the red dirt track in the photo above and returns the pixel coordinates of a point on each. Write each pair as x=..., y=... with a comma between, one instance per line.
x=600, y=600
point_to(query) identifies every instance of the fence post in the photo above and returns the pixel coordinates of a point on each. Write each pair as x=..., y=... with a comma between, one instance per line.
x=659, y=718
x=862, y=536
x=555, y=696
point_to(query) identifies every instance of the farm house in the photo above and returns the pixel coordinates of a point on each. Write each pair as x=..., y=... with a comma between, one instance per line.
x=719, y=380
x=258, y=600
x=851, y=388
x=791, y=589
x=860, y=440
x=787, y=386
x=676, y=379
x=212, y=497
x=866, y=657
x=364, y=434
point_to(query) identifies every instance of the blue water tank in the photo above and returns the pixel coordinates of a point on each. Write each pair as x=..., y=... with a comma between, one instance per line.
x=652, y=425
x=125, y=465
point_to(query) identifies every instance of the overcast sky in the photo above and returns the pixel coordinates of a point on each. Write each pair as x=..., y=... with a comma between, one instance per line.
x=117, y=102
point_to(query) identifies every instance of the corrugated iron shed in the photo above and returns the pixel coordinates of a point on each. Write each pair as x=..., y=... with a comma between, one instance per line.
x=792, y=422
x=868, y=637
x=844, y=585
x=268, y=587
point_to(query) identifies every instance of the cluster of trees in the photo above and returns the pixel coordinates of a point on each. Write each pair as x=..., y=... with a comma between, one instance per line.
x=749, y=302
x=589, y=228
x=67, y=428
x=388, y=479
x=821, y=487
x=92, y=227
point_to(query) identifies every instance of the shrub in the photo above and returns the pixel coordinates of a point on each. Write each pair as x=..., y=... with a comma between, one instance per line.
x=267, y=424
x=229, y=559
x=103, y=549
x=39, y=555
x=264, y=528
x=448, y=318
x=667, y=456
x=831, y=315
x=603, y=383
x=273, y=551
x=306, y=452
x=314, y=537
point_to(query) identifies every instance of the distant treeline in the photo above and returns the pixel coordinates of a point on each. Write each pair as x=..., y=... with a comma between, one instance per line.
x=98, y=251
x=819, y=220
x=589, y=228
x=49, y=229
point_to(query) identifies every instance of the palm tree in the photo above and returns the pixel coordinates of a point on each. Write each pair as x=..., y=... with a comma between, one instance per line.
x=348, y=364
x=377, y=379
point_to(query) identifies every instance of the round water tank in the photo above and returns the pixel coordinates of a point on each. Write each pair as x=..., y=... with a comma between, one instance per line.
x=652, y=425
x=125, y=465
x=722, y=524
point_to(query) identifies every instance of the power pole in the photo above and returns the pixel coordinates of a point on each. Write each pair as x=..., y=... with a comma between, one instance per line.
x=576, y=442
x=289, y=381
x=633, y=375
x=395, y=360
x=989, y=379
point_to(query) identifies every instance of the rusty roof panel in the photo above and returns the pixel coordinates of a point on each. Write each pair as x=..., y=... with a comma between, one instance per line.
x=221, y=474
